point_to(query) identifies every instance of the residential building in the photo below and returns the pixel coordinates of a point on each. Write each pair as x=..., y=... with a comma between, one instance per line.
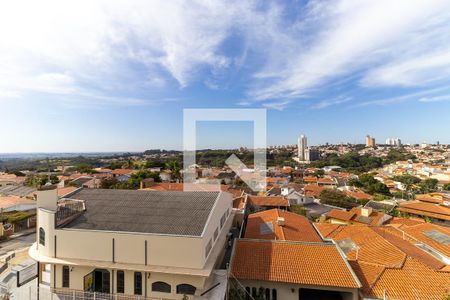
x=258, y=203
x=394, y=142
x=370, y=141
x=133, y=242
x=408, y=262
x=283, y=257
x=302, y=146
x=439, y=213
x=357, y=215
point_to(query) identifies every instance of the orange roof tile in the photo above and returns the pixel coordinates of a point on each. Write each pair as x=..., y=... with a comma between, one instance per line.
x=413, y=281
x=418, y=232
x=368, y=273
x=372, y=248
x=313, y=190
x=291, y=262
x=295, y=228
x=408, y=248
x=268, y=201
x=358, y=195
x=123, y=171
x=426, y=209
x=8, y=201
x=340, y=214
x=405, y=221
x=66, y=190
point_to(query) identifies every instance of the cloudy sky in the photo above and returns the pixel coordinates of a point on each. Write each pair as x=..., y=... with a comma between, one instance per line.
x=116, y=75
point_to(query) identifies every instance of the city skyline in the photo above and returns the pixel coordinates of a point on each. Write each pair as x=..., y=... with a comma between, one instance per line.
x=120, y=81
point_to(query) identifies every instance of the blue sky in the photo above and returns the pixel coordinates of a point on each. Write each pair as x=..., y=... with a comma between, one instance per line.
x=116, y=75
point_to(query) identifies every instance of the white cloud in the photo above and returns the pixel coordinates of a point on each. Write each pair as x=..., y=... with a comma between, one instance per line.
x=111, y=47
x=57, y=47
x=424, y=94
x=330, y=102
x=347, y=37
x=435, y=99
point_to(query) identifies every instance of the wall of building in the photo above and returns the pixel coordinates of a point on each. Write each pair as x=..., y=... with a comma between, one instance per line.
x=162, y=250
x=77, y=274
x=223, y=205
x=286, y=291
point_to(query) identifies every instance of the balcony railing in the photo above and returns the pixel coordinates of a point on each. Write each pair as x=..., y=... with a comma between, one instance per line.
x=69, y=294
x=68, y=209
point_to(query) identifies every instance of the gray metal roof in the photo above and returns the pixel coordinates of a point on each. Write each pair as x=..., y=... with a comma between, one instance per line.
x=171, y=212
x=14, y=190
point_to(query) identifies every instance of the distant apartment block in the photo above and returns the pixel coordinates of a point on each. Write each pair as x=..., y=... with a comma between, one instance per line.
x=370, y=141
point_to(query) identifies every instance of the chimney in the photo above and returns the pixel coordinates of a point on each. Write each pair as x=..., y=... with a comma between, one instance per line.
x=366, y=211
x=280, y=221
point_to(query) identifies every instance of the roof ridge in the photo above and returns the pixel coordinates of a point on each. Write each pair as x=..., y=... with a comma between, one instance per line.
x=405, y=255
x=281, y=227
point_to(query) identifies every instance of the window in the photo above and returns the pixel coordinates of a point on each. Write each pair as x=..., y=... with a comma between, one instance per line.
x=247, y=293
x=208, y=248
x=274, y=294
x=162, y=287
x=120, y=282
x=216, y=234
x=253, y=292
x=185, y=289
x=222, y=220
x=137, y=283
x=65, y=276
x=41, y=236
x=268, y=294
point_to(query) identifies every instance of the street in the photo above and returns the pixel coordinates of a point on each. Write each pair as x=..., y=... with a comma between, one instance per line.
x=17, y=243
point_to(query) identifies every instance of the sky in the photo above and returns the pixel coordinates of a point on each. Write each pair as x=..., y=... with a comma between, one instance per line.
x=82, y=76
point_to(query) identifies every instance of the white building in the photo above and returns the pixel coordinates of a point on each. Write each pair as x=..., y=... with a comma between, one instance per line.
x=302, y=146
x=132, y=243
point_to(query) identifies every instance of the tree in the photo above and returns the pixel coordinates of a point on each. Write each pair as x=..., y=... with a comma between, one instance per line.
x=446, y=187
x=174, y=167
x=369, y=184
x=337, y=198
x=319, y=173
x=298, y=209
x=428, y=185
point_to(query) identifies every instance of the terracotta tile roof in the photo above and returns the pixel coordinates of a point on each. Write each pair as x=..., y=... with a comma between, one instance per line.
x=325, y=180
x=268, y=201
x=296, y=227
x=310, y=179
x=291, y=262
x=368, y=273
x=340, y=214
x=239, y=203
x=123, y=171
x=358, y=195
x=408, y=248
x=437, y=198
x=418, y=232
x=66, y=190
x=326, y=229
x=426, y=209
x=405, y=221
x=386, y=262
x=313, y=190
x=8, y=201
x=372, y=248
x=413, y=281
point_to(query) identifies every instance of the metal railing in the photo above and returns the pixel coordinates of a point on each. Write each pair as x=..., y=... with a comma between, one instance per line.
x=68, y=209
x=31, y=292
